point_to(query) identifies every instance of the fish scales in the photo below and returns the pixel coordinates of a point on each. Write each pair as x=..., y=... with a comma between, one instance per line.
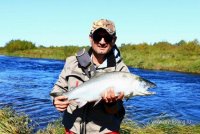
x=93, y=89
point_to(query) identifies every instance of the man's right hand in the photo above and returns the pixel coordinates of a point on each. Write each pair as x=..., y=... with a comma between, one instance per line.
x=61, y=103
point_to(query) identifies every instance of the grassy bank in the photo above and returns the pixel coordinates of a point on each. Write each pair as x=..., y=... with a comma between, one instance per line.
x=159, y=127
x=182, y=56
x=15, y=123
x=59, y=53
x=163, y=56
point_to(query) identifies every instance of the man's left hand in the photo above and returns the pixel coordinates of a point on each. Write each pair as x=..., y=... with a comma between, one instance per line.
x=109, y=96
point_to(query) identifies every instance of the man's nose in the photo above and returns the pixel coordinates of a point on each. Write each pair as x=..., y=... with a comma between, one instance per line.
x=102, y=41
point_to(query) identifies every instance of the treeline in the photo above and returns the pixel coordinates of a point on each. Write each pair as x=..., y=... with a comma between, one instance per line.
x=182, y=45
x=17, y=45
x=182, y=56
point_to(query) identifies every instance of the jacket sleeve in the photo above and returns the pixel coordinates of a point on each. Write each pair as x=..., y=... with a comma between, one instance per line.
x=62, y=83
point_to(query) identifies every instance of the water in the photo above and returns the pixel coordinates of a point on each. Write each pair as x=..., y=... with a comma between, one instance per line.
x=25, y=85
x=177, y=97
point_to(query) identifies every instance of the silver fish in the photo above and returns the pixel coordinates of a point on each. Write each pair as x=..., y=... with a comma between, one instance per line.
x=93, y=89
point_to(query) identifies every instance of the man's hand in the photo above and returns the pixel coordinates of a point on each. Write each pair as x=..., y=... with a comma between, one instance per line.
x=110, y=97
x=61, y=103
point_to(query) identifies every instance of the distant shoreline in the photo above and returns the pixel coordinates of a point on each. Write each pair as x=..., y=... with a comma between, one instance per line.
x=127, y=65
x=181, y=57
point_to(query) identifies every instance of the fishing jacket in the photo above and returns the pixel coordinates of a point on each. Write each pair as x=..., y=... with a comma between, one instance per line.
x=90, y=119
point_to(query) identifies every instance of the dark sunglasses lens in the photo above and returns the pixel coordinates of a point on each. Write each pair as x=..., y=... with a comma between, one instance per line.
x=98, y=37
x=108, y=38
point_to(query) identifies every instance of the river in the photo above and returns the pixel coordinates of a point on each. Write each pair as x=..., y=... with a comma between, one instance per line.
x=25, y=84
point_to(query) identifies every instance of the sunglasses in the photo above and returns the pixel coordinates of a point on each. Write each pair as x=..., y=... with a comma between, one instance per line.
x=98, y=36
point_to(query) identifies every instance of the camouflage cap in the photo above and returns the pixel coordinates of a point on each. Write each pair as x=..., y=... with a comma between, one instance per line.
x=108, y=25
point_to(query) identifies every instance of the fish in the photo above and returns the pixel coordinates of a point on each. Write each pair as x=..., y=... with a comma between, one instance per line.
x=93, y=89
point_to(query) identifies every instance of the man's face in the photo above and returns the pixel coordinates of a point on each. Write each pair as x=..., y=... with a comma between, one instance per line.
x=102, y=42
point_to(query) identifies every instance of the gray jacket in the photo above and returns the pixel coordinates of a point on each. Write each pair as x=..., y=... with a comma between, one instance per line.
x=88, y=119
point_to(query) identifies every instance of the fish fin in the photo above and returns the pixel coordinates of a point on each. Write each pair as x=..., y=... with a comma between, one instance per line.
x=126, y=98
x=150, y=93
x=56, y=94
x=73, y=103
x=81, y=102
x=97, y=101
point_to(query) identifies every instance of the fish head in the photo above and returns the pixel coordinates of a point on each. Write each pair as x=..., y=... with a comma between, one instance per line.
x=140, y=86
x=144, y=82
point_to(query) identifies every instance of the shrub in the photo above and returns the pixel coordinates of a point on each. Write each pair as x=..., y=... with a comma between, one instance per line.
x=14, y=123
x=55, y=127
x=15, y=45
x=163, y=45
x=190, y=48
x=71, y=50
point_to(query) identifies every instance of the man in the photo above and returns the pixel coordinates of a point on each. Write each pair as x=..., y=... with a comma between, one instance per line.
x=106, y=116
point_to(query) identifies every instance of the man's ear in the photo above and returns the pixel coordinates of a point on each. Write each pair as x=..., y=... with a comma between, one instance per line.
x=90, y=38
x=114, y=39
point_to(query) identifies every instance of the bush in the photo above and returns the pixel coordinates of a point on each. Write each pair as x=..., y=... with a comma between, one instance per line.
x=16, y=45
x=71, y=50
x=191, y=46
x=163, y=45
x=55, y=127
x=14, y=123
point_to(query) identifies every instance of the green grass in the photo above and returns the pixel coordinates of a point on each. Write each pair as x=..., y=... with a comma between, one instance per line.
x=50, y=53
x=12, y=122
x=59, y=53
x=173, y=58
x=53, y=128
x=160, y=127
x=129, y=127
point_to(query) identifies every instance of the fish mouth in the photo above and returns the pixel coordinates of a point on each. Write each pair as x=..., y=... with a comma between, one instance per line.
x=152, y=85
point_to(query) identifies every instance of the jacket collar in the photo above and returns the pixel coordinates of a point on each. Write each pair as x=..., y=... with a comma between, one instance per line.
x=111, y=58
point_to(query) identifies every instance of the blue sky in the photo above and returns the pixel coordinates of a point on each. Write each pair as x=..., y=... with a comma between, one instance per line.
x=68, y=22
